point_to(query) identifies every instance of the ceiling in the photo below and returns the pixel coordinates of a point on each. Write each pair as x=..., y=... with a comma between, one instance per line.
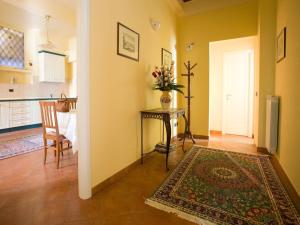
x=29, y=17
x=71, y=4
x=197, y=6
x=61, y=10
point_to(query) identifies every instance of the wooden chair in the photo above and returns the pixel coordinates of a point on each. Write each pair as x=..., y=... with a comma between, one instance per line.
x=73, y=103
x=50, y=129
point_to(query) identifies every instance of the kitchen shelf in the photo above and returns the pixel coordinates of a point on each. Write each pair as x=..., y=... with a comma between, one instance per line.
x=8, y=69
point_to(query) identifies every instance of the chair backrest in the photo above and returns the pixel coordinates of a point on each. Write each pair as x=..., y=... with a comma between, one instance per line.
x=73, y=103
x=49, y=116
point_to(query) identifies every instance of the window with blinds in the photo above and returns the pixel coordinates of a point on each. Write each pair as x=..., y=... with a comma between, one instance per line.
x=11, y=48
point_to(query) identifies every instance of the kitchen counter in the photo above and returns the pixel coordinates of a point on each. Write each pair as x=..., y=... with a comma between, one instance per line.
x=21, y=113
x=29, y=99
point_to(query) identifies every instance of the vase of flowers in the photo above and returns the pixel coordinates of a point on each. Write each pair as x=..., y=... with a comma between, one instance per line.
x=165, y=82
x=165, y=100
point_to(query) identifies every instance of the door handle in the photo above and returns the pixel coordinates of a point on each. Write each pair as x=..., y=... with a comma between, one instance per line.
x=228, y=96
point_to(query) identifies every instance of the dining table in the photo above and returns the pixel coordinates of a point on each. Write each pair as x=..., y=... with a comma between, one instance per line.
x=67, y=125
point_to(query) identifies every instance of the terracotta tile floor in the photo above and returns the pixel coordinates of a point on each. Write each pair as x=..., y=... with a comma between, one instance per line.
x=34, y=194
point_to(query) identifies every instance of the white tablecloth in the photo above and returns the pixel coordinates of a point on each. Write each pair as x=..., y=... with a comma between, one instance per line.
x=67, y=127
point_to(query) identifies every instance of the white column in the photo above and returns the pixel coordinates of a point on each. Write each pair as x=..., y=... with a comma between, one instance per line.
x=83, y=119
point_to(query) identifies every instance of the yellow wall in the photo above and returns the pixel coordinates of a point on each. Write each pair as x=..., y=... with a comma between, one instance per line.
x=266, y=36
x=120, y=87
x=226, y=23
x=287, y=81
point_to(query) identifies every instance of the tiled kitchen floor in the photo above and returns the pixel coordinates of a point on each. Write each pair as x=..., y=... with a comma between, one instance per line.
x=34, y=194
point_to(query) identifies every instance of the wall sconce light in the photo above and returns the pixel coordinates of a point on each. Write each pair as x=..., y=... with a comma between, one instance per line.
x=189, y=46
x=155, y=24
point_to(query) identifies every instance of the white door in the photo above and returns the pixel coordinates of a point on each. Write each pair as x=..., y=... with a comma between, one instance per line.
x=236, y=82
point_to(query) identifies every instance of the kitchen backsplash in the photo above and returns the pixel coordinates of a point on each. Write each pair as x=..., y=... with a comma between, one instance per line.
x=33, y=90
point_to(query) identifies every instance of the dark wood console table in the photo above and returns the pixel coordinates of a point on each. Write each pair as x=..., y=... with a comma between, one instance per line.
x=165, y=116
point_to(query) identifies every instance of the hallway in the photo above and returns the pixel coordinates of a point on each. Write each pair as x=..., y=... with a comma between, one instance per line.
x=32, y=193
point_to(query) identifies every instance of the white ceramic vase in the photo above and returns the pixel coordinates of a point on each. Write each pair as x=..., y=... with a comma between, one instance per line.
x=165, y=100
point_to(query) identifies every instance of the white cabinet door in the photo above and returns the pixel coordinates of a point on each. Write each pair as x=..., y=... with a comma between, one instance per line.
x=36, y=113
x=52, y=67
x=20, y=113
x=60, y=69
x=4, y=115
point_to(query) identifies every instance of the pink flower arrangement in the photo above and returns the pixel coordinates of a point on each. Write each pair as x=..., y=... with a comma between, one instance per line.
x=164, y=79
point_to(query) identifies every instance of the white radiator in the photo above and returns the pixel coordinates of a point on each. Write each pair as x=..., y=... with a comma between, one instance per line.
x=272, y=123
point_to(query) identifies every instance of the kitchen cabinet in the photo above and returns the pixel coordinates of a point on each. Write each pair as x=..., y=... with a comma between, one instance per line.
x=20, y=114
x=52, y=67
x=35, y=112
x=4, y=115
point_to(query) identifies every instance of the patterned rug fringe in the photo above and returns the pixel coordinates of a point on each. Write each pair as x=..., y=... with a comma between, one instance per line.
x=20, y=145
x=226, y=150
x=178, y=213
x=20, y=153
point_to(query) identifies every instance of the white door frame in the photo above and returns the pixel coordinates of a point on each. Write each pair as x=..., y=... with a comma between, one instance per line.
x=83, y=118
x=251, y=95
x=250, y=105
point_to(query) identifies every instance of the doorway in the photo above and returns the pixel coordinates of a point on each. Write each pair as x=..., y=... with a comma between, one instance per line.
x=238, y=74
x=231, y=94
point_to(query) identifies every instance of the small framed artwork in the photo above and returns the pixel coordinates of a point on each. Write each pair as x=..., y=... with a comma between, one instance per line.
x=281, y=45
x=166, y=58
x=128, y=42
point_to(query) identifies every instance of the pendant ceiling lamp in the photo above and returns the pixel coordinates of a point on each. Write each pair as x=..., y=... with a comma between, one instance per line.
x=48, y=44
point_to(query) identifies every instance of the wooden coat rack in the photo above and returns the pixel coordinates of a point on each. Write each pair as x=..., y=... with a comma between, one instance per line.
x=189, y=74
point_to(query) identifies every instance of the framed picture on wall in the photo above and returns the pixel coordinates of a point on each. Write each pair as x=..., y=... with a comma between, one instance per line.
x=281, y=45
x=128, y=44
x=166, y=58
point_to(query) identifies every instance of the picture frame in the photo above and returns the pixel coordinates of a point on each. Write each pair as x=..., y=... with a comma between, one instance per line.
x=281, y=45
x=128, y=42
x=166, y=58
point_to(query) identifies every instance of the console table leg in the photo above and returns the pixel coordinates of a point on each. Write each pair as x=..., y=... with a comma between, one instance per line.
x=168, y=131
x=142, y=141
x=185, y=131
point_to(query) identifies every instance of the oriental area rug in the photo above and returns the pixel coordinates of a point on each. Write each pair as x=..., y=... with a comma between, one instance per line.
x=213, y=186
x=20, y=145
